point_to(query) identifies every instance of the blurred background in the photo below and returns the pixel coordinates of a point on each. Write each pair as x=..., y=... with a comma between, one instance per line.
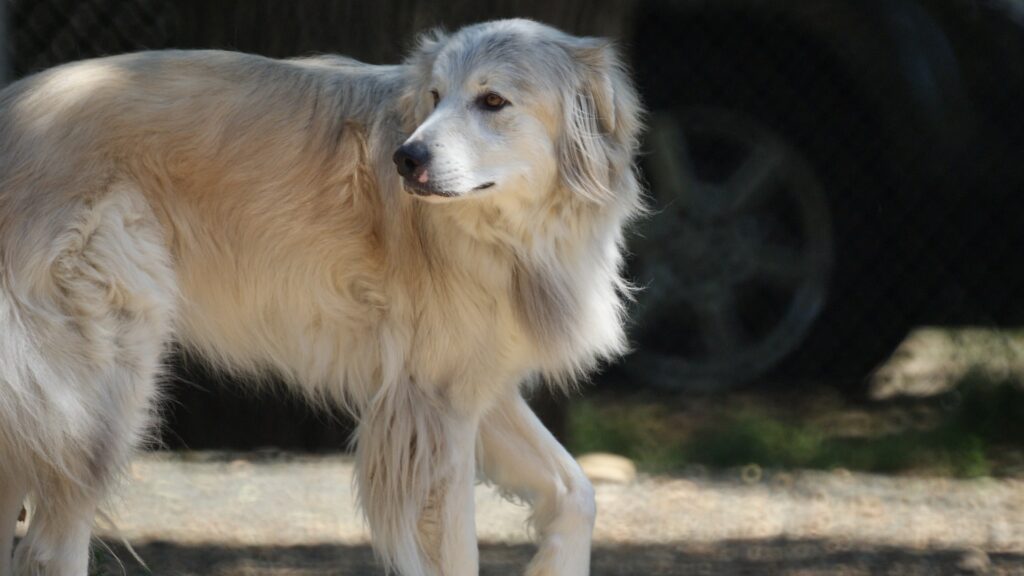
x=832, y=285
x=832, y=271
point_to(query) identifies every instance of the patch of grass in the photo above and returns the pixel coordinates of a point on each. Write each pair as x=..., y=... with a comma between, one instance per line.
x=753, y=437
x=993, y=410
x=981, y=417
x=642, y=432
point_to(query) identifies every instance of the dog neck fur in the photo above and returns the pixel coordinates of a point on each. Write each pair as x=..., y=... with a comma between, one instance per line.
x=557, y=252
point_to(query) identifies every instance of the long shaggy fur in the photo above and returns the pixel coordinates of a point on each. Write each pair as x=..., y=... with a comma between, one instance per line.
x=249, y=209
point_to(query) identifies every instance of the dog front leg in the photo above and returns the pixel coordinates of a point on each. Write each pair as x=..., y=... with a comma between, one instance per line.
x=522, y=457
x=415, y=474
x=447, y=527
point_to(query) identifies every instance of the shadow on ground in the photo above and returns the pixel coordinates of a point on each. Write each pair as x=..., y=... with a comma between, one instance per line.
x=803, y=557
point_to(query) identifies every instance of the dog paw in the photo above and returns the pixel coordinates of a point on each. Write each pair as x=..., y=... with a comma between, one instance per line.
x=559, y=557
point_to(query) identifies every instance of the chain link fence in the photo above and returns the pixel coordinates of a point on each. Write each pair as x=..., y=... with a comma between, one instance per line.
x=4, y=59
x=43, y=34
x=870, y=152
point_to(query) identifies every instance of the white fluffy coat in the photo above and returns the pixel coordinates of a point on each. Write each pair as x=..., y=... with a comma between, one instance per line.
x=249, y=209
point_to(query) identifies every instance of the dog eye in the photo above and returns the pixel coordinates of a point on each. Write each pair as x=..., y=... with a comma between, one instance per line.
x=492, y=102
x=436, y=96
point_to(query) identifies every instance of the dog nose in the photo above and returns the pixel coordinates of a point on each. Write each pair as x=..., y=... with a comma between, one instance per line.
x=410, y=157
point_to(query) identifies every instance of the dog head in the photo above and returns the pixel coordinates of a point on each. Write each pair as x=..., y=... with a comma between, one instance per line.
x=515, y=105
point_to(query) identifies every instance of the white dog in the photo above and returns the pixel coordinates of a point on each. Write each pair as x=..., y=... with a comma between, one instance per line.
x=250, y=209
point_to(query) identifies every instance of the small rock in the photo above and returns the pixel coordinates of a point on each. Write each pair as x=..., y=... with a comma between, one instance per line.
x=608, y=468
x=751, y=474
x=975, y=561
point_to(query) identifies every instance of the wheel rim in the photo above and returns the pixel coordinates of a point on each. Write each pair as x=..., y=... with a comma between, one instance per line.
x=736, y=259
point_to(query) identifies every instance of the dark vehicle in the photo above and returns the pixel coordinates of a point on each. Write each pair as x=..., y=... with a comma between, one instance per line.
x=825, y=175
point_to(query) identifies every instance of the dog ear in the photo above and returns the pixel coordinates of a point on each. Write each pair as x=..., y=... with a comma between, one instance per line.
x=603, y=119
x=414, y=103
x=598, y=57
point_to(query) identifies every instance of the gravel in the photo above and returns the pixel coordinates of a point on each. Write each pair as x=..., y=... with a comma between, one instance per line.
x=217, y=514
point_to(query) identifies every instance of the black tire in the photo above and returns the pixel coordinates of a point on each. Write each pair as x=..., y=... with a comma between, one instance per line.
x=810, y=108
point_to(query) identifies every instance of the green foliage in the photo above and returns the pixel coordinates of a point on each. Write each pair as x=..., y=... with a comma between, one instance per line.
x=981, y=416
x=991, y=410
x=752, y=437
x=641, y=432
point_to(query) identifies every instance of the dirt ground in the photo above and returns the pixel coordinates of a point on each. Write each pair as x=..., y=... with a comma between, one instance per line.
x=760, y=558
x=276, y=515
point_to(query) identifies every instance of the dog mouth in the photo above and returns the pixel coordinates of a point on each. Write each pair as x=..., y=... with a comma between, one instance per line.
x=419, y=189
x=426, y=189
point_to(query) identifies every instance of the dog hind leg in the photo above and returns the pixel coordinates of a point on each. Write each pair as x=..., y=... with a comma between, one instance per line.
x=12, y=497
x=524, y=459
x=84, y=397
x=57, y=542
x=64, y=498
